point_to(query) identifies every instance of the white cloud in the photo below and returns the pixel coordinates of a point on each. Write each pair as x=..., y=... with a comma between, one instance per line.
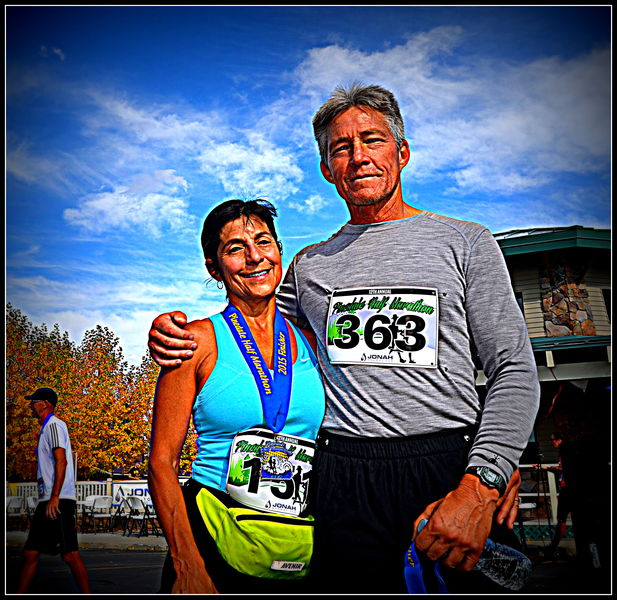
x=125, y=304
x=148, y=203
x=46, y=52
x=489, y=124
x=414, y=71
x=36, y=169
x=255, y=167
x=168, y=127
x=131, y=142
x=310, y=206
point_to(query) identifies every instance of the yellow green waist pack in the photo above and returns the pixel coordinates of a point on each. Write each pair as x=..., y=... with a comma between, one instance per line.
x=257, y=543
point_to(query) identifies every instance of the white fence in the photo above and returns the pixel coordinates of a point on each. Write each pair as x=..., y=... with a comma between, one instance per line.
x=116, y=489
x=82, y=489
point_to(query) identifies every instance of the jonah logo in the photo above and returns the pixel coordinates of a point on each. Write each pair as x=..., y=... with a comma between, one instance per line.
x=283, y=565
x=376, y=357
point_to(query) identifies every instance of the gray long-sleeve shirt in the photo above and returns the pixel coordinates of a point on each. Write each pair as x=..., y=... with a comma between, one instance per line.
x=397, y=308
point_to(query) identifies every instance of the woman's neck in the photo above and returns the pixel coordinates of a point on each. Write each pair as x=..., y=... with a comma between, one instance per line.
x=258, y=310
x=259, y=316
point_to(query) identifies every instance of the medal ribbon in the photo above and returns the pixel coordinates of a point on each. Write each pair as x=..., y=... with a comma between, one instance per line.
x=275, y=393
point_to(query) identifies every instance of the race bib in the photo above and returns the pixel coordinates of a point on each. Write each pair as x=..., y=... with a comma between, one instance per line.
x=395, y=326
x=270, y=471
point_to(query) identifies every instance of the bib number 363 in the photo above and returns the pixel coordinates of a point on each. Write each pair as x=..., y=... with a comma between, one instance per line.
x=384, y=326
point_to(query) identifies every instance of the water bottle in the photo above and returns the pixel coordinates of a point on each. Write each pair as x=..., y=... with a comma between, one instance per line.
x=502, y=564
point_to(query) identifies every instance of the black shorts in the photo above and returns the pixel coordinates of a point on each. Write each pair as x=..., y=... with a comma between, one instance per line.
x=367, y=493
x=53, y=536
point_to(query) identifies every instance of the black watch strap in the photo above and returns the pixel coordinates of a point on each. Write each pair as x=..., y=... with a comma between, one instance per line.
x=490, y=478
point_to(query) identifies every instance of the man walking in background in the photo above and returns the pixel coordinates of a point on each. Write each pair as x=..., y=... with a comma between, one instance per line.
x=564, y=503
x=53, y=528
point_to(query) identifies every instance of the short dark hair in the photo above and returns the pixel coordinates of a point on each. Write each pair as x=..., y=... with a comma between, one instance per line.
x=228, y=211
x=373, y=96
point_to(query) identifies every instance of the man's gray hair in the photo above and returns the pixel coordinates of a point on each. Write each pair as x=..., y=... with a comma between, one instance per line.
x=357, y=94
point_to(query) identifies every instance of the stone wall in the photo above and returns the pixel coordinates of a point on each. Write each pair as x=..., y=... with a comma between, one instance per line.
x=565, y=299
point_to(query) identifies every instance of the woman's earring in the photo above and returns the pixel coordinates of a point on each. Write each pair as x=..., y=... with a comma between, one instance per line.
x=220, y=285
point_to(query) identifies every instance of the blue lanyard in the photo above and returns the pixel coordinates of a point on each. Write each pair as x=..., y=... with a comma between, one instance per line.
x=414, y=576
x=413, y=570
x=275, y=393
x=38, y=439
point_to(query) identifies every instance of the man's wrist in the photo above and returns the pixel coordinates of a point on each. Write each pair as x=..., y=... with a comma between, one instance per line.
x=489, y=478
x=474, y=485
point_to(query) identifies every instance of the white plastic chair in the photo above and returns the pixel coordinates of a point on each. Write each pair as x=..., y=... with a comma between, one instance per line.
x=100, y=509
x=85, y=509
x=140, y=513
x=31, y=504
x=15, y=510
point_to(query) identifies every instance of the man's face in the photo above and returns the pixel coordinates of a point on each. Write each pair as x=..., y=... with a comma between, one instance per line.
x=363, y=161
x=38, y=407
x=556, y=442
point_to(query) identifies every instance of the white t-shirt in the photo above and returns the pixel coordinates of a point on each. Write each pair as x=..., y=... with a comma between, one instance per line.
x=54, y=435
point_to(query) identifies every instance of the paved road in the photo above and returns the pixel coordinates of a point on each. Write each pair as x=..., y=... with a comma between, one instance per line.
x=111, y=572
x=131, y=571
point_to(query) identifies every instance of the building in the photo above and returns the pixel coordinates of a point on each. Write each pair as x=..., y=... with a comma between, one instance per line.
x=561, y=277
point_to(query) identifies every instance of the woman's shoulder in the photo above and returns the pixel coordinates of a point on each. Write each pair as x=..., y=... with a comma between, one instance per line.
x=203, y=332
x=200, y=326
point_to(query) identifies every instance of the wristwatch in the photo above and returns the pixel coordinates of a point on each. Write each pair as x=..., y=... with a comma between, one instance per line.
x=489, y=478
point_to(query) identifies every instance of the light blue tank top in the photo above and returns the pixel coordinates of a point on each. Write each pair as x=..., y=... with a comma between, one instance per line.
x=229, y=402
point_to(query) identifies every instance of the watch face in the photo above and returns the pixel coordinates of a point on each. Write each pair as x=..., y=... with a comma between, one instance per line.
x=491, y=477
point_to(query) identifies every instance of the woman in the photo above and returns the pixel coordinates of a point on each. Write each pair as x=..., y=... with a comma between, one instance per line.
x=242, y=363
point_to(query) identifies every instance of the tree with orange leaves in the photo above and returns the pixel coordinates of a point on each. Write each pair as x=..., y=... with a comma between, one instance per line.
x=106, y=404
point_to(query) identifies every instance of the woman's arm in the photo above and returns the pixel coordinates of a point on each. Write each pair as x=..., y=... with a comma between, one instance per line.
x=175, y=393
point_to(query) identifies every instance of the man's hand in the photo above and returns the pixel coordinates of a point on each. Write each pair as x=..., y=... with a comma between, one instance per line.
x=168, y=342
x=458, y=524
x=508, y=504
x=53, y=508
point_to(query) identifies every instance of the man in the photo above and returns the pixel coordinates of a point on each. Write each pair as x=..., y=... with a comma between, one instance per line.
x=399, y=299
x=564, y=503
x=53, y=528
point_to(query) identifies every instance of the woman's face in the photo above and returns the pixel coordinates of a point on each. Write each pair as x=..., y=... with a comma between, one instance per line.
x=249, y=259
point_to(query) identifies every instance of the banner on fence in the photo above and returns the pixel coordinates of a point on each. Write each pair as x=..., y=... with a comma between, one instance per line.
x=136, y=487
x=122, y=489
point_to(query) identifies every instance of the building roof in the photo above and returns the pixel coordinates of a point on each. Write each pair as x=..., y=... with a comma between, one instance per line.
x=539, y=239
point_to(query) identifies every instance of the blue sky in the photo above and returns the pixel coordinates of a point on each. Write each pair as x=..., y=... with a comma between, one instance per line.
x=126, y=125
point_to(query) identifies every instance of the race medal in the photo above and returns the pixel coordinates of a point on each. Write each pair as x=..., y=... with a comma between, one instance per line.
x=270, y=471
x=385, y=326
